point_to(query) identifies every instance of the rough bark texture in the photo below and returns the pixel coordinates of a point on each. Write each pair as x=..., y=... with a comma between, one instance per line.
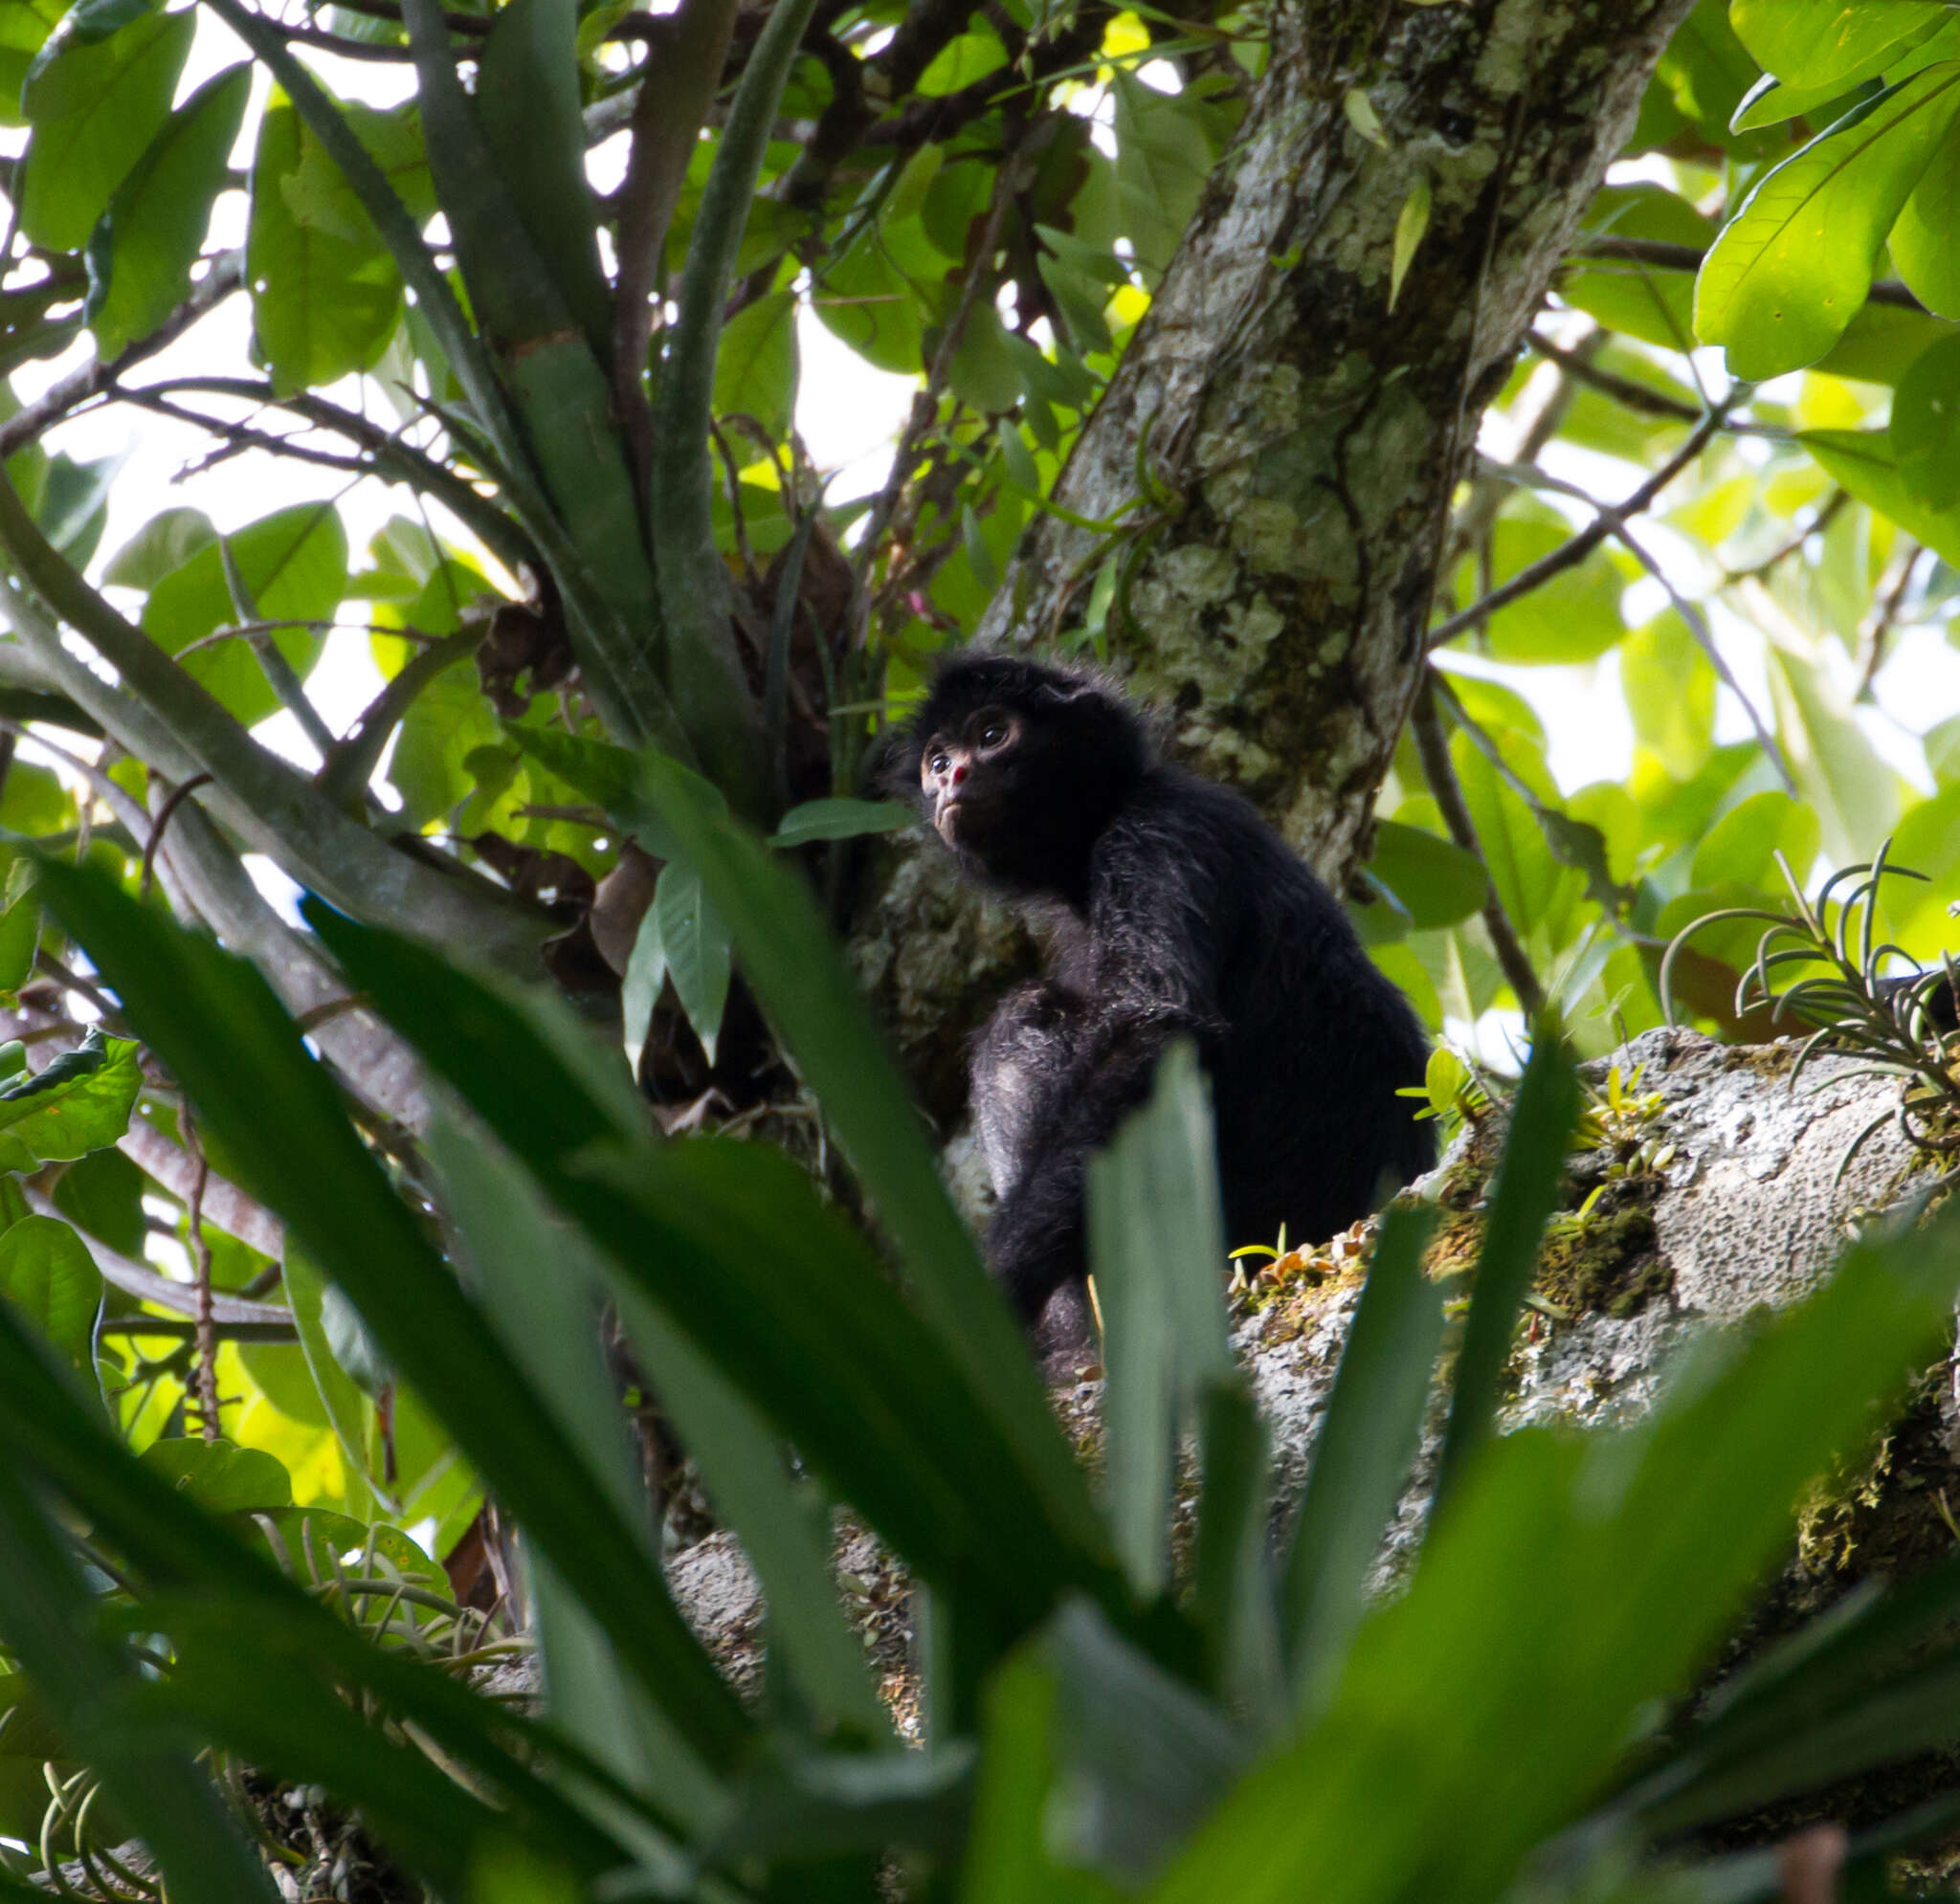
x=1314, y=434
x=1311, y=435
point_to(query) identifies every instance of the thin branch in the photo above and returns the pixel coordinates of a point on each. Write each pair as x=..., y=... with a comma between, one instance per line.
x=1008, y=182
x=1665, y=257
x=1819, y=521
x=1879, y=624
x=165, y=815
x=205, y=1360
x=243, y=436
x=1610, y=519
x=227, y=273
x=1425, y=726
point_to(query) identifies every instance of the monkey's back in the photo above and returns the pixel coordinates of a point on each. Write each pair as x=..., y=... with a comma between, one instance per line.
x=1306, y=1042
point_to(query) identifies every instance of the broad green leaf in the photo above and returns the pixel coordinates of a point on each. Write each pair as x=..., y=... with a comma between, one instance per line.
x=158, y=214
x=1640, y=300
x=24, y=29
x=295, y=564
x=219, y=1476
x=1164, y=157
x=165, y=542
x=448, y=723
x=1669, y=684
x=80, y=1103
x=1793, y=265
x=101, y=1194
x=20, y=927
x=1575, y=616
x=47, y=1272
x=1156, y=1248
x=1436, y=882
x=1838, y=771
x=1828, y=42
x=1739, y=849
x=695, y=948
x=1864, y=461
x=869, y=295
x=983, y=371
x=969, y=57
x=755, y=368
x=1519, y=863
x=49, y=1621
x=839, y=820
x=1922, y=238
x=323, y=304
x=94, y=108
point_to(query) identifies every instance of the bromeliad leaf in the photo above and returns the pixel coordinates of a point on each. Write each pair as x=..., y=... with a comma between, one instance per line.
x=696, y=949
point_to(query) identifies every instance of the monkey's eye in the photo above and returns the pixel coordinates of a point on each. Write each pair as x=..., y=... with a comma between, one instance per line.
x=993, y=733
x=938, y=762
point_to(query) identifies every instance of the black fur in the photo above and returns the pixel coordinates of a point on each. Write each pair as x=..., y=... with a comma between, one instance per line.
x=1175, y=909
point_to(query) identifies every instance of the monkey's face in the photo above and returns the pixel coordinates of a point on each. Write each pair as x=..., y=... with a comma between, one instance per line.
x=964, y=773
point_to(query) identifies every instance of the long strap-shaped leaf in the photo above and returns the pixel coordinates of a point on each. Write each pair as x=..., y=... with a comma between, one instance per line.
x=779, y=1292
x=1527, y=1182
x=1368, y=1439
x=173, y=1544
x=214, y=1022
x=703, y=672
x=789, y=957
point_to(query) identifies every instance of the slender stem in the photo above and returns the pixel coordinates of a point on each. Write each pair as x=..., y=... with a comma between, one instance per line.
x=1425, y=726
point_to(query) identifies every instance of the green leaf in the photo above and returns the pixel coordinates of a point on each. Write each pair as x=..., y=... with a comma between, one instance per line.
x=305, y=1290
x=1924, y=432
x=695, y=948
x=1361, y=1460
x=1520, y=865
x=295, y=564
x=1836, y=769
x=1435, y=881
x=1575, y=616
x=1411, y=224
x=214, y=1021
x=1164, y=157
x=1642, y=300
x=80, y=1103
x=95, y=107
x=1739, y=849
x=755, y=368
x=1922, y=247
x=1528, y=1181
x=1156, y=1246
x=167, y=541
x=47, y=1272
x=969, y=57
x=1793, y=265
x=1669, y=684
x=158, y=214
x=1865, y=462
x=1827, y=42
x=839, y=820
x=322, y=306
x=219, y=1476
x=20, y=928
x=527, y=102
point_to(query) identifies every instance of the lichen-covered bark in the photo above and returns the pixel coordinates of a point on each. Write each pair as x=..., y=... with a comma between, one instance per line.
x=1313, y=435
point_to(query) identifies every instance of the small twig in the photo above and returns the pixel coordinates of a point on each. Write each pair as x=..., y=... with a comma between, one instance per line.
x=1426, y=725
x=165, y=815
x=1879, y=623
x=205, y=1363
x=1609, y=520
x=227, y=273
x=1822, y=519
x=926, y=400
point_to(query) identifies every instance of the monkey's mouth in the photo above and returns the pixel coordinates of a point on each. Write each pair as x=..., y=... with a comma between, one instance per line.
x=965, y=819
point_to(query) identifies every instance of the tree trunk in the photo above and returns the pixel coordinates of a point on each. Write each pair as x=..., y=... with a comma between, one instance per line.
x=1312, y=423
x=1313, y=435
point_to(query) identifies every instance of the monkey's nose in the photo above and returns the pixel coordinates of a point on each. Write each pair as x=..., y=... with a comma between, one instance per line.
x=959, y=772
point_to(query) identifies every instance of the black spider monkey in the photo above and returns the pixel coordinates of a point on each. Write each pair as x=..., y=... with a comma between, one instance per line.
x=1175, y=909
